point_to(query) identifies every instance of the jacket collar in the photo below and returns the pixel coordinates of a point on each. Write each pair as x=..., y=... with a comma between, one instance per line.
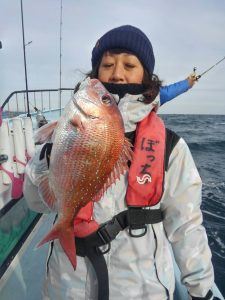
x=134, y=110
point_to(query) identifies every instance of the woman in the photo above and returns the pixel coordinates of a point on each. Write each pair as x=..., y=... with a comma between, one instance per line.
x=137, y=260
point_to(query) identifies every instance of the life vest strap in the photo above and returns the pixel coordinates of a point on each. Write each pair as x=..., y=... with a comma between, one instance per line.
x=138, y=217
x=98, y=262
x=134, y=217
x=90, y=246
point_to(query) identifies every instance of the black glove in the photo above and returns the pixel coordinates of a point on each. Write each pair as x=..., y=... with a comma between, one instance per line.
x=46, y=152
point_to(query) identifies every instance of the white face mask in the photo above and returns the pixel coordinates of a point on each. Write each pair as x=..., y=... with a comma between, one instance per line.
x=134, y=110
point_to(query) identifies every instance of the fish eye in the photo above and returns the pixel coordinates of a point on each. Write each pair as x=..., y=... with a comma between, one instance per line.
x=106, y=99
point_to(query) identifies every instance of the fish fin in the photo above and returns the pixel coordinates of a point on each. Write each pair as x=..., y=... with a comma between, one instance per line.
x=121, y=164
x=119, y=169
x=66, y=240
x=47, y=193
x=45, y=133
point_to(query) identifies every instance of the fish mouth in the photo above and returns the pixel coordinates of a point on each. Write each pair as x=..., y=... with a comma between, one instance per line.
x=80, y=109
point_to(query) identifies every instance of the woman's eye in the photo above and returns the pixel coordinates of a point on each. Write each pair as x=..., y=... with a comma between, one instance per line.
x=130, y=66
x=107, y=65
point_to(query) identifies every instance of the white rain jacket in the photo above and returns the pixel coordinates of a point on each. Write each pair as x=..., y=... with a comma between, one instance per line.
x=139, y=268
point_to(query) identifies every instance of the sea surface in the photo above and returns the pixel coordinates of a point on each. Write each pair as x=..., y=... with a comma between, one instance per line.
x=205, y=135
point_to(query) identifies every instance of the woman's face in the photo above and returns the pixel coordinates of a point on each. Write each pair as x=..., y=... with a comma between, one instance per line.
x=120, y=68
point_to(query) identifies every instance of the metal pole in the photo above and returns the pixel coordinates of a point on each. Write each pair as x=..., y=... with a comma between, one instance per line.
x=60, y=60
x=25, y=65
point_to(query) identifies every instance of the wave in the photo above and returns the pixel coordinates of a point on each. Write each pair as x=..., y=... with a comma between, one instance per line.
x=206, y=212
x=214, y=146
x=221, y=123
x=214, y=184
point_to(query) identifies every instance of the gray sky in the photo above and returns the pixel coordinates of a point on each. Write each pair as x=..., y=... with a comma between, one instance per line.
x=184, y=34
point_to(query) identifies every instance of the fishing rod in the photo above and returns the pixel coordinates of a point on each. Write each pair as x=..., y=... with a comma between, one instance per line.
x=206, y=71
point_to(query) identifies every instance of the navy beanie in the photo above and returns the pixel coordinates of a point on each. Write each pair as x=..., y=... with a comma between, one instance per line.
x=129, y=38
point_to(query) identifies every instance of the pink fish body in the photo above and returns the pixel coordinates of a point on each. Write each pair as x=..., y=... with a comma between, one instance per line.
x=89, y=153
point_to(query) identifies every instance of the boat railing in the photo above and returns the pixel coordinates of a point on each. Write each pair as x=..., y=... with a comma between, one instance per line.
x=16, y=127
x=43, y=99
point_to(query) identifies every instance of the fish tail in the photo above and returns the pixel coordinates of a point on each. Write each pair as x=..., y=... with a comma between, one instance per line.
x=66, y=239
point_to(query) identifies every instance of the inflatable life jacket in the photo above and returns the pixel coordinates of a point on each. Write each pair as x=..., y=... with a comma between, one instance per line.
x=146, y=174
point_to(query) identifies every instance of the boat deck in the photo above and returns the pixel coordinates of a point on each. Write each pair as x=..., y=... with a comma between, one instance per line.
x=24, y=277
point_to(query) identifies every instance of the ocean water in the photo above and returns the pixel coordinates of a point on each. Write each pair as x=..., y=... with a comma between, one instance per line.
x=205, y=135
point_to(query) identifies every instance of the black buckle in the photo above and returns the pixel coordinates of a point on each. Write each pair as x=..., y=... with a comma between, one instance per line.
x=107, y=232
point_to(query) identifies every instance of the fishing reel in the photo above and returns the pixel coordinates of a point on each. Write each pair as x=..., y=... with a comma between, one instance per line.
x=41, y=120
x=194, y=76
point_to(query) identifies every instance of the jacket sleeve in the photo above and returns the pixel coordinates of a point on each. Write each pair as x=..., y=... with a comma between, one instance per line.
x=35, y=170
x=171, y=91
x=183, y=222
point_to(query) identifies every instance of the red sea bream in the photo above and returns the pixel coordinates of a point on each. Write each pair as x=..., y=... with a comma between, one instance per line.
x=89, y=153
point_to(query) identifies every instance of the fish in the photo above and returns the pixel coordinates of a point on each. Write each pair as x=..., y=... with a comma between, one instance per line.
x=89, y=153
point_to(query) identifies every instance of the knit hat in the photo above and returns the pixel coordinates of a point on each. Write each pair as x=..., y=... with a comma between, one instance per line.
x=129, y=38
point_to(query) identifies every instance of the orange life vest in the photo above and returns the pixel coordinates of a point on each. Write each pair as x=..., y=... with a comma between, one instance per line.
x=146, y=174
